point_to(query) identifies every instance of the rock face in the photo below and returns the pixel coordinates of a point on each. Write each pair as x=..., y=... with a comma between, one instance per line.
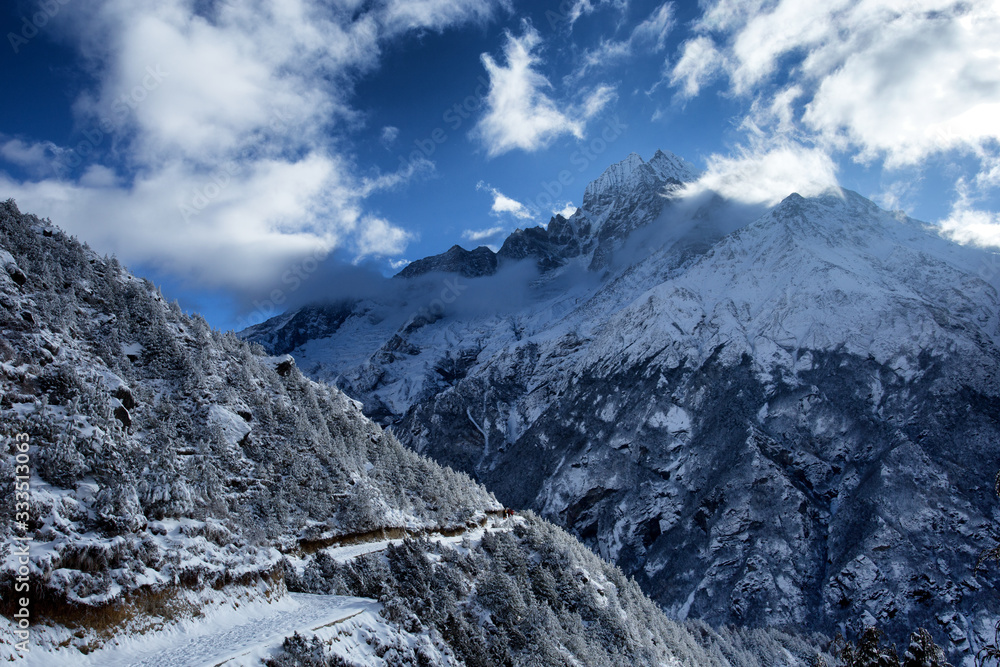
x=471, y=264
x=629, y=195
x=768, y=417
x=175, y=470
x=141, y=446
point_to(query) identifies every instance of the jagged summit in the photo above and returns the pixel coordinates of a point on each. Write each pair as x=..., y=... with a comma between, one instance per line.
x=632, y=174
x=469, y=263
x=628, y=195
x=669, y=165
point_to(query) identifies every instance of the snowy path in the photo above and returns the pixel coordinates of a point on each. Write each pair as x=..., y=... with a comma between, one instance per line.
x=227, y=638
x=232, y=636
x=350, y=552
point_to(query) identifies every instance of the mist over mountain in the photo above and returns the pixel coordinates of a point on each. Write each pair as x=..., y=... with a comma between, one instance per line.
x=188, y=499
x=380, y=332
x=769, y=416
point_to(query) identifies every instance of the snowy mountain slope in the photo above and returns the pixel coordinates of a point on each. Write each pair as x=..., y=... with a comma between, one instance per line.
x=766, y=416
x=227, y=635
x=165, y=456
x=518, y=595
x=182, y=482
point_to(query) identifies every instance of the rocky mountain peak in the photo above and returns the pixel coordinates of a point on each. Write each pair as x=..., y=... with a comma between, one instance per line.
x=672, y=167
x=633, y=175
x=626, y=196
x=468, y=263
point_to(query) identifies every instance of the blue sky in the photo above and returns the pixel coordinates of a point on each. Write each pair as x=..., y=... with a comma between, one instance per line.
x=232, y=152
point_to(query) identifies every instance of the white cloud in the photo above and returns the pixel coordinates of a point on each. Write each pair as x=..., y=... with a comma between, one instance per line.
x=378, y=237
x=249, y=230
x=582, y=8
x=895, y=81
x=699, y=62
x=579, y=8
x=477, y=235
x=779, y=114
x=36, y=157
x=567, y=210
x=519, y=113
x=897, y=195
x=656, y=27
x=924, y=86
x=214, y=137
x=968, y=224
x=389, y=135
x=392, y=180
x=596, y=100
x=650, y=34
x=405, y=15
x=767, y=174
x=502, y=204
x=989, y=175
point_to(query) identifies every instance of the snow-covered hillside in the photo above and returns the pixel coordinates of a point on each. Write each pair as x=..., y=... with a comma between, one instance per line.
x=768, y=416
x=179, y=483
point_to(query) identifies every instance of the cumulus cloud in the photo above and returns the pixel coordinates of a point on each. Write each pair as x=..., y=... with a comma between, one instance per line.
x=924, y=86
x=35, y=157
x=520, y=114
x=896, y=81
x=968, y=224
x=699, y=62
x=479, y=235
x=766, y=174
x=212, y=140
x=502, y=204
x=379, y=238
x=568, y=209
x=250, y=229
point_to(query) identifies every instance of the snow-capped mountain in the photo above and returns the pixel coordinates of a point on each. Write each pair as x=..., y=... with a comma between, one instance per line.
x=783, y=416
x=189, y=500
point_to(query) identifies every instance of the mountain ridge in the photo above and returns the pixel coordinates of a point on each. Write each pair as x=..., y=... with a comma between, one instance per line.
x=561, y=239
x=822, y=340
x=178, y=474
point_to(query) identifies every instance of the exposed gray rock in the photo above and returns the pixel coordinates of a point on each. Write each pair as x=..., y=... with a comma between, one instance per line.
x=782, y=419
x=469, y=263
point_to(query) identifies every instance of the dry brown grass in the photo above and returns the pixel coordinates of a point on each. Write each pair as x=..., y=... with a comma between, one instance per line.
x=140, y=610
